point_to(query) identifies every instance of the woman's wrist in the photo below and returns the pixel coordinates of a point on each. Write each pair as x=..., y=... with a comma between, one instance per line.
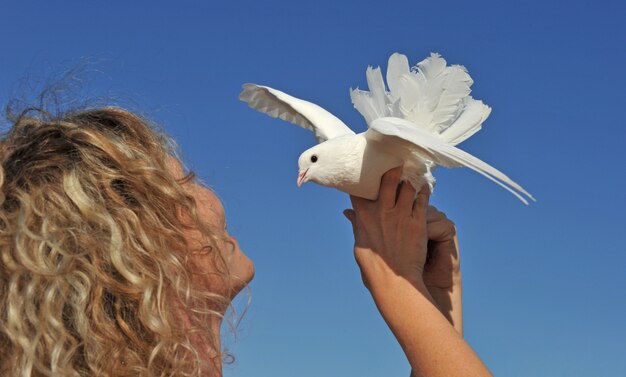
x=392, y=292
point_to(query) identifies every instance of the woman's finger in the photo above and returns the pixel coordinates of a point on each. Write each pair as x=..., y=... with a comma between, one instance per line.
x=358, y=203
x=441, y=230
x=406, y=197
x=388, y=187
x=433, y=214
x=351, y=216
x=421, y=202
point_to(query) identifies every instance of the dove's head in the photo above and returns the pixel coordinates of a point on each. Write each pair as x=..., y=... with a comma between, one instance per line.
x=330, y=163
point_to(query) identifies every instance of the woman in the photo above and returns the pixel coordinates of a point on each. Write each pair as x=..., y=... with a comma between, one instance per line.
x=115, y=261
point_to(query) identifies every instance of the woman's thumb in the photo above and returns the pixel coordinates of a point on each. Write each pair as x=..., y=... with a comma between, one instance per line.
x=351, y=216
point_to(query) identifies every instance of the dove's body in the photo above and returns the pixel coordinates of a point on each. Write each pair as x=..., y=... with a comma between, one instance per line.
x=416, y=124
x=355, y=163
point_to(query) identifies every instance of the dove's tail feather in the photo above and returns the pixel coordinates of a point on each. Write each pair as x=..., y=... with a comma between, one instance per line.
x=362, y=101
x=397, y=67
x=372, y=104
x=468, y=123
x=432, y=95
x=376, y=85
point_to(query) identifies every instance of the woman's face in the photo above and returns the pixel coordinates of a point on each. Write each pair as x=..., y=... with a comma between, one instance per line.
x=233, y=261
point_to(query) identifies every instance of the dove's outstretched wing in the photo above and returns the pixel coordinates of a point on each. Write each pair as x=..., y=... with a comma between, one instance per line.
x=303, y=113
x=440, y=151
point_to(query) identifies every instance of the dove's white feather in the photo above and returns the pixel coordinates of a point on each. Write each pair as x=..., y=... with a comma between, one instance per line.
x=397, y=66
x=374, y=103
x=468, y=123
x=410, y=93
x=362, y=101
x=432, y=67
x=433, y=71
x=376, y=86
x=433, y=96
x=451, y=102
x=443, y=153
x=303, y=113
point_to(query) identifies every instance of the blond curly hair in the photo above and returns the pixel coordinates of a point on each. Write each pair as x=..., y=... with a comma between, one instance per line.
x=95, y=268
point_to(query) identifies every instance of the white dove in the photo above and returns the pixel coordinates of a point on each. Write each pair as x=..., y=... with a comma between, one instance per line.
x=416, y=124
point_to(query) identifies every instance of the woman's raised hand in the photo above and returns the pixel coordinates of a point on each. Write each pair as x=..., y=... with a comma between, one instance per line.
x=390, y=233
x=414, y=283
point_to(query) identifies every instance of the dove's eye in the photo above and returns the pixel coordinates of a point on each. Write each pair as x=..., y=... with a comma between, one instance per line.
x=314, y=158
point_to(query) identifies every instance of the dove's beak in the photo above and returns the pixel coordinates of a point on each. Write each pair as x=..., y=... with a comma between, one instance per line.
x=302, y=177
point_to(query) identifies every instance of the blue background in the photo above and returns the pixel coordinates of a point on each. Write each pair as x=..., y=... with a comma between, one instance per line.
x=543, y=285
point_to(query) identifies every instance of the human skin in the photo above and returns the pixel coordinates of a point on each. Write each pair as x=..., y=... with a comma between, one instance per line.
x=239, y=267
x=442, y=270
x=391, y=249
x=208, y=271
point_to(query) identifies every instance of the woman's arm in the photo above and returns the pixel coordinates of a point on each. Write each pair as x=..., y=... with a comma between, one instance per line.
x=391, y=240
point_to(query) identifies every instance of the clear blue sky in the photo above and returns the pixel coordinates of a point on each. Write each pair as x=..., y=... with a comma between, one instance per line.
x=543, y=285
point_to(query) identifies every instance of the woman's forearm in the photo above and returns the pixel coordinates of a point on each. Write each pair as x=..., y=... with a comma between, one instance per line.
x=432, y=346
